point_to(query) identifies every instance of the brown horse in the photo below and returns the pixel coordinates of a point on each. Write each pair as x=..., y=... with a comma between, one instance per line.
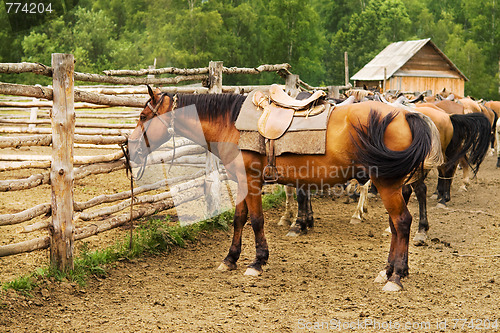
x=468, y=106
x=366, y=139
x=461, y=136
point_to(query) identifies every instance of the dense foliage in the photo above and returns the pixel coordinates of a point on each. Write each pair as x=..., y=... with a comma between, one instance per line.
x=311, y=35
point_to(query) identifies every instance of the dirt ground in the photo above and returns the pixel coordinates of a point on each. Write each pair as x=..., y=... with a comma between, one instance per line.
x=319, y=282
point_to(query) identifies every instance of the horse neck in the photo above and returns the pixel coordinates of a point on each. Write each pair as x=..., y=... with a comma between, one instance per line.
x=202, y=128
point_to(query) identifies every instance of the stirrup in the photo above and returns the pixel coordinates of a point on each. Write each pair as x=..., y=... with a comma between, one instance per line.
x=270, y=174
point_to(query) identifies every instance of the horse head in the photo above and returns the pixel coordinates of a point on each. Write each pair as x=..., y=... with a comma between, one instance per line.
x=154, y=127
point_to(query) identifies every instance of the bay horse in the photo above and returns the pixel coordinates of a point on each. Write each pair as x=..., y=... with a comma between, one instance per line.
x=461, y=136
x=368, y=138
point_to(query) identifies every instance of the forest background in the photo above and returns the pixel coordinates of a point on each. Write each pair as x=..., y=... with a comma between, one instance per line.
x=310, y=35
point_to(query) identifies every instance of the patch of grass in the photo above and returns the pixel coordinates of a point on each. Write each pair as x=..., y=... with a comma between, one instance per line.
x=151, y=236
x=274, y=199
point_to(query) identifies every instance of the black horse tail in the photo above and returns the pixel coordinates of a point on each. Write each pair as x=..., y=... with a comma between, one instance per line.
x=383, y=162
x=493, y=128
x=471, y=139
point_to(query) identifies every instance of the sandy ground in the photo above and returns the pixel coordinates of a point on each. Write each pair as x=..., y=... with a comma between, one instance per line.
x=319, y=282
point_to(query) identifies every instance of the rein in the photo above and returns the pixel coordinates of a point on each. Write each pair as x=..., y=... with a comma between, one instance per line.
x=126, y=153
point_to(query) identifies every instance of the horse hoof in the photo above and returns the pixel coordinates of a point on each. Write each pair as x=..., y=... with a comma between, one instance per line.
x=223, y=267
x=392, y=286
x=462, y=188
x=293, y=233
x=420, y=238
x=381, y=277
x=434, y=197
x=252, y=272
x=441, y=206
x=355, y=220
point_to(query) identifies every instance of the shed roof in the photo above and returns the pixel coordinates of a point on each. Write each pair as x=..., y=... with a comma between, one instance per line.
x=395, y=56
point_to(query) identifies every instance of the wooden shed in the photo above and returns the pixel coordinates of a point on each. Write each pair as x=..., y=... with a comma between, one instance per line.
x=411, y=66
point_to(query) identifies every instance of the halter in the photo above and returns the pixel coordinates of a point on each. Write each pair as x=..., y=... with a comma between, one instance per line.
x=170, y=130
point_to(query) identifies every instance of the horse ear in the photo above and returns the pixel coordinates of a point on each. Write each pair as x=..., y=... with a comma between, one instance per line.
x=365, y=87
x=151, y=93
x=157, y=91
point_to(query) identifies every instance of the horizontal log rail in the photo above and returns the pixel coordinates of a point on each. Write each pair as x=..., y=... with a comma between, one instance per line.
x=25, y=215
x=47, y=104
x=108, y=224
x=80, y=96
x=78, y=124
x=86, y=216
x=47, y=130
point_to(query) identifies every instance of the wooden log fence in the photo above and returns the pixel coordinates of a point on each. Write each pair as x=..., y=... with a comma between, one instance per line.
x=66, y=213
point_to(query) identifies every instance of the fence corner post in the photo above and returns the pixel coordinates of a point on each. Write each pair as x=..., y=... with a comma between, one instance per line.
x=61, y=230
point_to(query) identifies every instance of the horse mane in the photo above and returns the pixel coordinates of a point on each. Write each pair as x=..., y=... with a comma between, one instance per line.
x=212, y=106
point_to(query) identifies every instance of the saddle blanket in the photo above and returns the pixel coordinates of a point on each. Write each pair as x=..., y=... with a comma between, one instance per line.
x=306, y=135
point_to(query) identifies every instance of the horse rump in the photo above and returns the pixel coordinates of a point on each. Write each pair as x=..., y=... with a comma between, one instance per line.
x=471, y=139
x=385, y=163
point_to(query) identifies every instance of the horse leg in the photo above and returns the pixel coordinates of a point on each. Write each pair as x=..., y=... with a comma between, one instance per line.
x=446, y=177
x=309, y=211
x=465, y=175
x=423, y=224
x=254, y=202
x=360, y=208
x=400, y=222
x=286, y=219
x=497, y=138
x=239, y=221
x=300, y=225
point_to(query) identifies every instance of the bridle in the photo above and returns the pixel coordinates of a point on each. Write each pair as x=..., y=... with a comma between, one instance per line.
x=170, y=129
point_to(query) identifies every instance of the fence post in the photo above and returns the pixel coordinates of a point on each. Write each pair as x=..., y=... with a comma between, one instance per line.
x=292, y=84
x=215, y=77
x=61, y=174
x=213, y=185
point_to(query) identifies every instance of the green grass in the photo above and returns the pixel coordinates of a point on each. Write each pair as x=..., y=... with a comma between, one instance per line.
x=150, y=237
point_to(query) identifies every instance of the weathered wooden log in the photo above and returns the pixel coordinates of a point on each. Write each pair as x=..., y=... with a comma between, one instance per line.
x=47, y=71
x=25, y=215
x=141, y=211
x=84, y=131
x=106, y=90
x=34, y=140
x=24, y=184
x=77, y=160
x=239, y=89
x=158, y=71
x=34, y=227
x=106, y=198
x=25, y=67
x=9, y=166
x=26, y=246
x=99, y=139
x=98, y=168
x=80, y=96
x=137, y=81
x=48, y=104
x=257, y=70
x=174, y=191
x=61, y=231
x=215, y=77
x=78, y=124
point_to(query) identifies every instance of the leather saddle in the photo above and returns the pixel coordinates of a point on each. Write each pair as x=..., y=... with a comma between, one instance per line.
x=279, y=109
